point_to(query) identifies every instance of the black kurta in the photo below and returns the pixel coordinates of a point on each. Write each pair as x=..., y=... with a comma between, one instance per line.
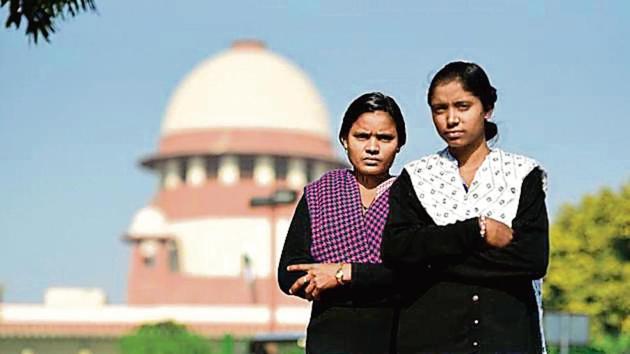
x=458, y=294
x=357, y=318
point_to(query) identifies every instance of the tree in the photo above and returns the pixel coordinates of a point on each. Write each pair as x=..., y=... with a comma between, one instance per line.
x=590, y=261
x=40, y=15
x=163, y=338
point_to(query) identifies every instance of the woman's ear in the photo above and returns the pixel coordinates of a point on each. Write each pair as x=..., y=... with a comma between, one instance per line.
x=344, y=143
x=488, y=115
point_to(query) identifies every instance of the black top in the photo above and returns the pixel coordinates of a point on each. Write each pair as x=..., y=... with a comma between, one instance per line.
x=355, y=318
x=459, y=295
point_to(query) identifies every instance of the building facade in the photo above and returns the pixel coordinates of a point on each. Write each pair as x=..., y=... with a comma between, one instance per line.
x=245, y=125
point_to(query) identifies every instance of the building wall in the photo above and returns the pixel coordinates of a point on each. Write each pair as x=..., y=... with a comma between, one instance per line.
x=59, y=346
x=225, y=251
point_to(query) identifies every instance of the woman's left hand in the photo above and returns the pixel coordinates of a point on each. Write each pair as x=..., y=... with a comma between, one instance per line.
x=319, y=277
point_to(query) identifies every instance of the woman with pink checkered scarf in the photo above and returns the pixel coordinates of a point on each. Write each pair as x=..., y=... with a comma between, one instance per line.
x=331, y=255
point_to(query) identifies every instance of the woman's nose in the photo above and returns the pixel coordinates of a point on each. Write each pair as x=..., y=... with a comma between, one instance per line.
x=372, y=146
x=452, y=118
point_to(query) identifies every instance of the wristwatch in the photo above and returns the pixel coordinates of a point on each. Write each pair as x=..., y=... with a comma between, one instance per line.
x=339, y=274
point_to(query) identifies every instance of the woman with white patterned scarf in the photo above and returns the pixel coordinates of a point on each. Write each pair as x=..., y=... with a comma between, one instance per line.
x=467, y=234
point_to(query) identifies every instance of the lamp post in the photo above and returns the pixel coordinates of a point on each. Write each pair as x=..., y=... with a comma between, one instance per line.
x=278, y=197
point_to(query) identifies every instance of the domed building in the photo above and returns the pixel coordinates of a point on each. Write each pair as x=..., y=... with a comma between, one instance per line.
x=242, y=127
x=241, y=136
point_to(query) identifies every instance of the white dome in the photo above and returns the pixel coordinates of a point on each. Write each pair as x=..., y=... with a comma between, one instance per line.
x=148, y=221
x=246, y=86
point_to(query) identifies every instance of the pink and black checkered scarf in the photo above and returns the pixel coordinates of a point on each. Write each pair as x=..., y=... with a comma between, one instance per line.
x=341, y=232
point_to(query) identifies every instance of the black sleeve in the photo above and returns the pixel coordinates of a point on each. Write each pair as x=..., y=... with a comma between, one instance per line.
x=367, y=276
x=411, y=237
x=528, y=254
x=296, y=250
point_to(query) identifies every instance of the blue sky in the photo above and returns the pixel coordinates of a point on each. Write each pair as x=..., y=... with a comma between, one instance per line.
x=77, y=114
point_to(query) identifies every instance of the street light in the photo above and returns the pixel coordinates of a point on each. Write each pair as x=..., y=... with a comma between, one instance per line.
x=278, y=197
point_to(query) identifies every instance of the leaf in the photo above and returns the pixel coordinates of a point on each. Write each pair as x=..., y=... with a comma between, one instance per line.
x=41, y=14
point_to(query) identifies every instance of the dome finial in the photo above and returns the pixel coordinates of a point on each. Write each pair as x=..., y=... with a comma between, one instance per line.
x=248, y=44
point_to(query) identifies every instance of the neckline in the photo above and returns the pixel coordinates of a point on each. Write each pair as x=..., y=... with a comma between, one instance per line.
x=446, y=153
x=354, y=176
x=356, y=189
x=454, y=163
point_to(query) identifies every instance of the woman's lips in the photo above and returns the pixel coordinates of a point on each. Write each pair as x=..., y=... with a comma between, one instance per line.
x=371, y=161
x=454, y=134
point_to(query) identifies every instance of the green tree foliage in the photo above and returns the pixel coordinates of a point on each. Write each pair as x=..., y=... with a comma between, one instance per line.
x=163, y=338
x=590, y=262
x=40, y=15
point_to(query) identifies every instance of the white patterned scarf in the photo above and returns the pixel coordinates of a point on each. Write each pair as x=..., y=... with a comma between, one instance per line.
x=495, y=192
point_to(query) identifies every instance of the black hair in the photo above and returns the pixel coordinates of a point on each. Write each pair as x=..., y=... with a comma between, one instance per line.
x=474, y=80
x=372, y=102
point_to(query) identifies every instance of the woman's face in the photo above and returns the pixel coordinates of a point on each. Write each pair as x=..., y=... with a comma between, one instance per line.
x=458, y=115
x=372, y=143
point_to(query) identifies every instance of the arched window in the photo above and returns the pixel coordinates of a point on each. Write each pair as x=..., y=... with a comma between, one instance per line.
x=173, y=255
x=246, y=166
x=281, y=165
x=148, y=251
x=212, y=167
x=182, y=168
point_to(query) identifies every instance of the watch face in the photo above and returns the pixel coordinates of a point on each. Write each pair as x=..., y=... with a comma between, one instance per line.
x=339, y=276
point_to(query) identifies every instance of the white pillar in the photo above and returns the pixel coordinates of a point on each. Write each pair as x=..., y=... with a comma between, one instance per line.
x=196, y=174
x=264, y=172
x=228, y=170
x=172, y=178
x=296, y=173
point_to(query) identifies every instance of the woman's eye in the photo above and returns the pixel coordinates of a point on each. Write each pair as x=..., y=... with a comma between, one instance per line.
x=439, y=110
x=463, y=106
